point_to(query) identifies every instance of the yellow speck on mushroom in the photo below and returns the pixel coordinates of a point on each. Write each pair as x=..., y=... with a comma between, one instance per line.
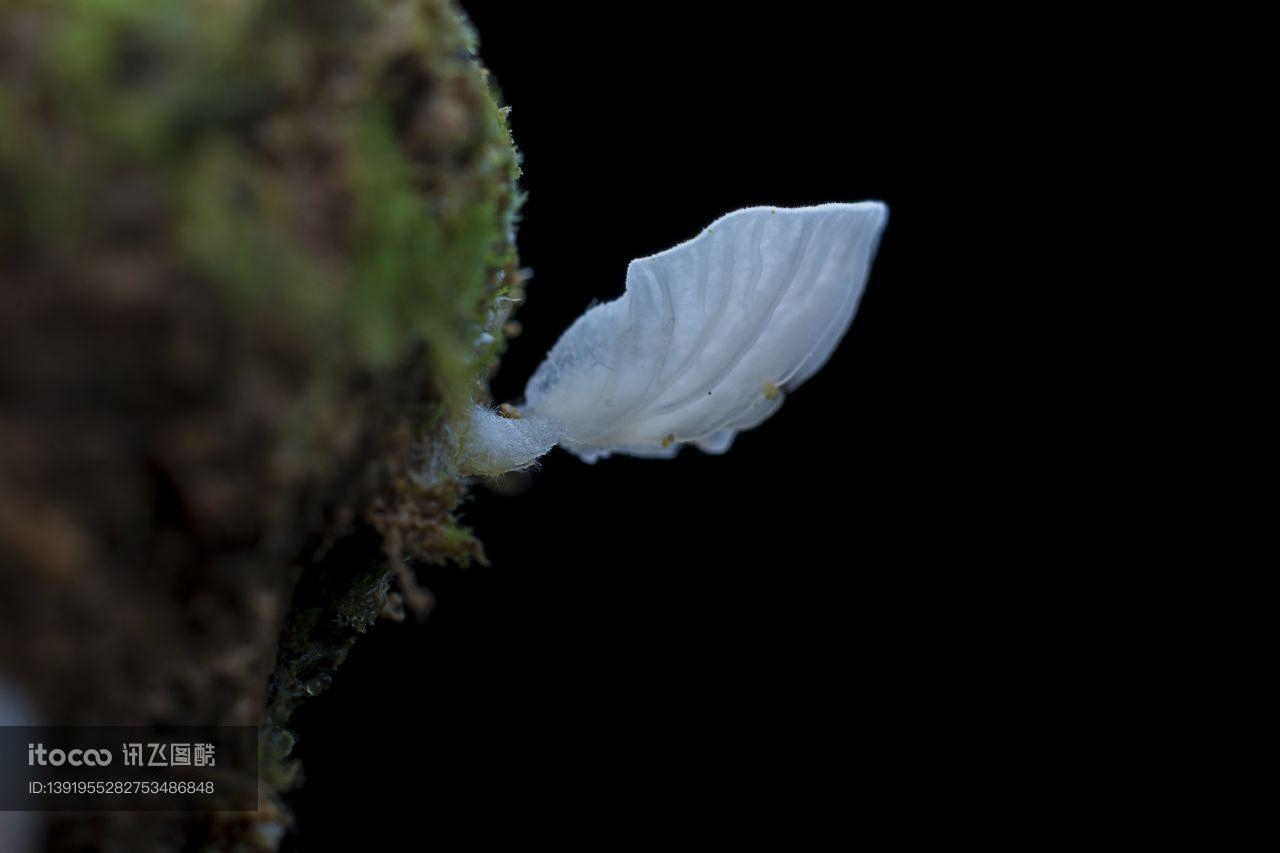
x=668, y=440
x=771, y=391
x=510, y=412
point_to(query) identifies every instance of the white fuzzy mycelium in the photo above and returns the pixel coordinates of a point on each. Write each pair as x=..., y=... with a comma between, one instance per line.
x=701, y=346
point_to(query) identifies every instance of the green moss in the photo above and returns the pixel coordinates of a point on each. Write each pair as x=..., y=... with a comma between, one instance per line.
x=195, y=92
x=235, y=229
x=337, y=176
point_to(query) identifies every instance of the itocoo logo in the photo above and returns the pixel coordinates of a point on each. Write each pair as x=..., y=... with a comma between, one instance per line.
x=37, y=754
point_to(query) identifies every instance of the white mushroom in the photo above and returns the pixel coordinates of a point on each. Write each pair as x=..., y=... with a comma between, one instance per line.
x=701, y=345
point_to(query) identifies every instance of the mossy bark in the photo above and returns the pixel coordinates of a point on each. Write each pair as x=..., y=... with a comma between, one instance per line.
x=254, y=256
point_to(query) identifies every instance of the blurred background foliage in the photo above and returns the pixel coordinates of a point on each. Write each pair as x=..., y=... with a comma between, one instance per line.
x=253, y=255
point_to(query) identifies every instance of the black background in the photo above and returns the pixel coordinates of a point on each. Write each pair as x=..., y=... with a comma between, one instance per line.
x=765, y=636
